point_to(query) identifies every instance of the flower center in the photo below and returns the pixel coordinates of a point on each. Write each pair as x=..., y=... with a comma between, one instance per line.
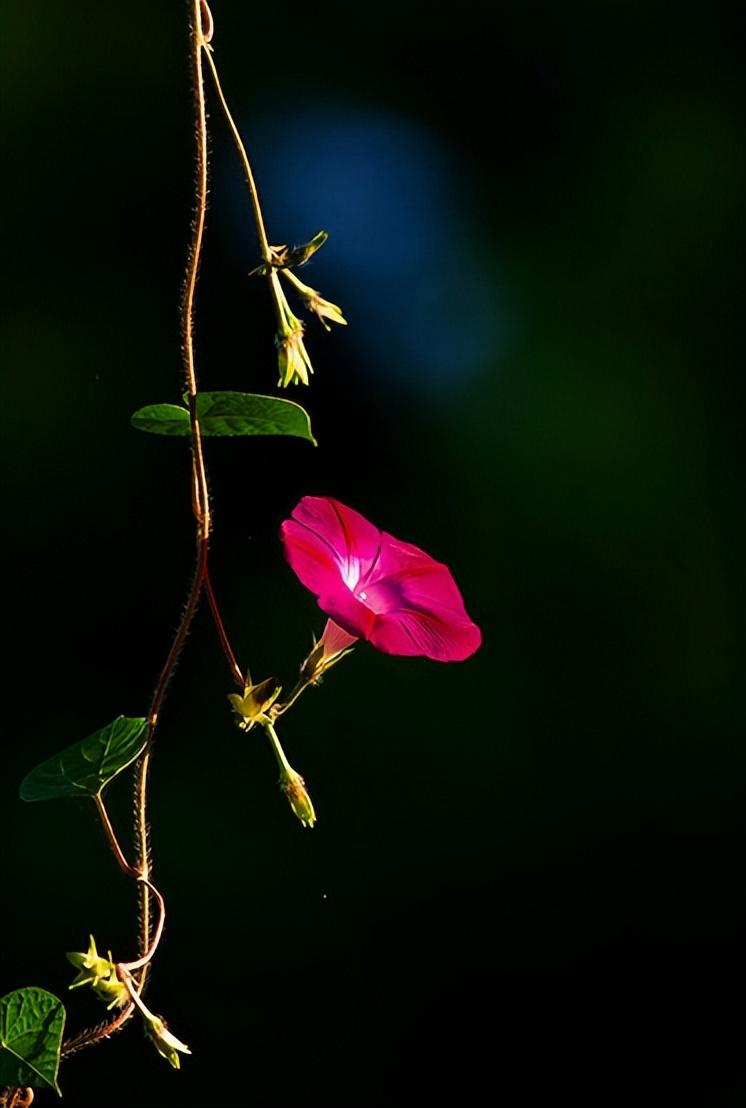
x=350, y=573
x=380, y=597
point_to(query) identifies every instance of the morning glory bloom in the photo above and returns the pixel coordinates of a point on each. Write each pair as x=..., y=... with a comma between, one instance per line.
x=376, y=587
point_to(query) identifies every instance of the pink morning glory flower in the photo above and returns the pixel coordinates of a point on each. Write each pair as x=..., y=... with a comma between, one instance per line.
x=376, y=587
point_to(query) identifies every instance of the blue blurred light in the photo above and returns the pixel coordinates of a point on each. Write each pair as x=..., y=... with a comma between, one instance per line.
x=404, y=257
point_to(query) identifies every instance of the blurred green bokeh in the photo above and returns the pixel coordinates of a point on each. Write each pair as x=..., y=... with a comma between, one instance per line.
x=524, y=883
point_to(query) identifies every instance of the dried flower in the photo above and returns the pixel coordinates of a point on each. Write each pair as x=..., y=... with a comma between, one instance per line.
x=167, y=1045
x=100, y=973
x=292, y=357
x=315, y=302
x=256, y=700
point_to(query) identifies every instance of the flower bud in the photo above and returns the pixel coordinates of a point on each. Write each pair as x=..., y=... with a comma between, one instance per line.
x=167, y=1045
x=333, y=645
x=294, y=787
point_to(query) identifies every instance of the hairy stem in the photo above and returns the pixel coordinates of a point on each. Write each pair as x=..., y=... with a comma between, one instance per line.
x=142, y=770
x=142, y=962
x=93, y=1035
x=201, y=30
x=278, y=297
x=201, y=496
x=117, y=851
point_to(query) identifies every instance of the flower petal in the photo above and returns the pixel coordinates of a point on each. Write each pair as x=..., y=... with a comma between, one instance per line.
x=346, y=611
x=311, y=557
x=337, y=532
x=336, y=638
x=411, y=631
x=418, y=604
x=376, y=587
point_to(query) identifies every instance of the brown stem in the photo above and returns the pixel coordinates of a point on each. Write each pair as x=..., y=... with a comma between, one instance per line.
x=201, y=502
x=112, y=839
x=235, y=134
x=222, y=633
x=142, y=836
x=142, y=962
x=201, y=508
x=93, y=1035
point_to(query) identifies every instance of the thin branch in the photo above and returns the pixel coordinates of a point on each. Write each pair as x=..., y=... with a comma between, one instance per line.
x=279, y=709
x=141, y=962
x=253, y=191
x=93, y=1035
x=222, y=633
x=199, y=476
x=112, y=839
x=201, y=508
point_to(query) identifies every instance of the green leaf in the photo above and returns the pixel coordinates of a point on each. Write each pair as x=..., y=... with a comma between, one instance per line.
x=229, y=413
x=162, y=419
x=85, y=768
x=31, y=1023
x=244, y=413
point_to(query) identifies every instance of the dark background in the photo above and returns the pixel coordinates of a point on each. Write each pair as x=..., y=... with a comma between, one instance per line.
x=525, y=879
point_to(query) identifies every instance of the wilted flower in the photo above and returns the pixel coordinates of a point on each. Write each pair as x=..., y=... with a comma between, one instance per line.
x=167, y=1045
x=256, y=700
x=100, y=973
x=284, y=256
x=315, y=302
x=292, y=356
x=376, y=587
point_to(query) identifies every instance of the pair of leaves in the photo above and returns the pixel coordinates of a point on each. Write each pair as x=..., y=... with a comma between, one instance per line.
x=31, y=1025
x=228, y=413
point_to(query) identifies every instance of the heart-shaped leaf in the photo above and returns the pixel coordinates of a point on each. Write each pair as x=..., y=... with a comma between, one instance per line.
x=228, y=413
x=85, y=768
x=31, y=1024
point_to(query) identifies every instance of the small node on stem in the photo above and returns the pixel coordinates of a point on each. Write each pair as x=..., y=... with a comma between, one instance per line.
x=282, y=257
